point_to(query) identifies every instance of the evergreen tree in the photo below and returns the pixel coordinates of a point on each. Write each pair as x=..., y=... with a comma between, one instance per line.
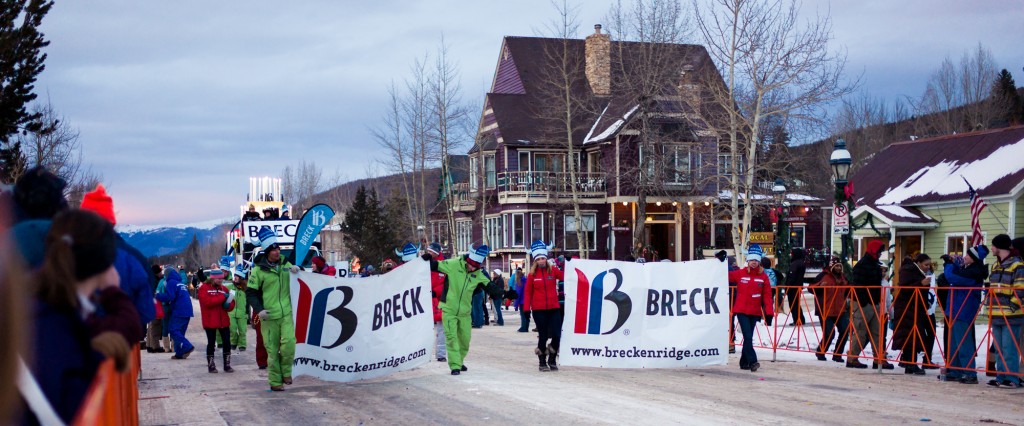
x=21, y=61
x=370, y=230
x=1007, y=100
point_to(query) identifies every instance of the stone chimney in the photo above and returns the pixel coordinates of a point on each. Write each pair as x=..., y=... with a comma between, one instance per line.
x=599, y=62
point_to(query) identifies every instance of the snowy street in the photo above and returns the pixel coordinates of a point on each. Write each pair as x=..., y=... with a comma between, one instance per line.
x=503, y=386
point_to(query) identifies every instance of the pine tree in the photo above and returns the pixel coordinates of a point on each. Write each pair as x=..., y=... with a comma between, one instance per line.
x=1007, y=100
x=354, y=225
x=370, y=230
x=21, y=62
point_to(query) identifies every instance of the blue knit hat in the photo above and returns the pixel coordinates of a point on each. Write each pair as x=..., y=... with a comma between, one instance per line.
x=435, y=248
x=539, y=249
x=215, y=273
x=225, y=262
x=408, y=252
x=978, y=252
x=754, y=252
x=240, y=271
x=477, y=255
x=267, y=237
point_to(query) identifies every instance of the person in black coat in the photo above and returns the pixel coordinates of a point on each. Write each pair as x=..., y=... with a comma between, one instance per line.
x=795, y=285
x=910, y=308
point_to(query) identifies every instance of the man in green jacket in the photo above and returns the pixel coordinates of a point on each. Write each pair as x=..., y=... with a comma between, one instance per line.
x=464, y=276
x=269, y=293
x=239, y=315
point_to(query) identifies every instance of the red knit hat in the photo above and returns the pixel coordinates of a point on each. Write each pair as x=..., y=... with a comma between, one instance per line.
x=100, y=203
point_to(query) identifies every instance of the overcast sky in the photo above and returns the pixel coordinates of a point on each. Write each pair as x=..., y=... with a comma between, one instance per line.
x=178, y=103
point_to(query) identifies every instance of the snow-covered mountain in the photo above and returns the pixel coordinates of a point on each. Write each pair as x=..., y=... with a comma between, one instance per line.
x=158, y=240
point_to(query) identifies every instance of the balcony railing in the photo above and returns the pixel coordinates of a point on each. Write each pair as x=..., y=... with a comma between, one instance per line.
x=545, y=186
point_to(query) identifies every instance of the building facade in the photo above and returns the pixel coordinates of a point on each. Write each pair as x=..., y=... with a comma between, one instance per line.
x=519, y=188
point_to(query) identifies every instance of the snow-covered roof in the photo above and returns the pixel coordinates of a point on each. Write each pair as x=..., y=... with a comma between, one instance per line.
x=726, y=194
x=933, y=170
x=613, y=128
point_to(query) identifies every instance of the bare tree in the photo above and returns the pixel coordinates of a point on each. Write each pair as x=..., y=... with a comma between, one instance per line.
x=956, y=98
x=300, y=184
x=55, y=145
x=449, y=114
x=773, y=65
x=646, y=69
x=562, y=108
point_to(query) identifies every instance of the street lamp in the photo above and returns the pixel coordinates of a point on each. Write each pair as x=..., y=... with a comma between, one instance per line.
x=782, y=229
x=840, y=162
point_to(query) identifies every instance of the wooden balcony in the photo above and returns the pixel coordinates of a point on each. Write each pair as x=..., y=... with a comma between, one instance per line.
x=465, y=200
x=545, y=187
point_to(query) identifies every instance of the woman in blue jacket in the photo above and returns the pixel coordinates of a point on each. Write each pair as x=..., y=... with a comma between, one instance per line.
x=964, y=303
x=519, y=280
x=176, y=295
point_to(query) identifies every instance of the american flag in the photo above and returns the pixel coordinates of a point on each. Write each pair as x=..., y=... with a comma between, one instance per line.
x=977, y=205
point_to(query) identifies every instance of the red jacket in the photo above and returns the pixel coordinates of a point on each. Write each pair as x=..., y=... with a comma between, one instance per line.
x=329, y=270
x=436, y=287
x=211, y=302
x=753, y=292
x=835, y=292
x=541, y=290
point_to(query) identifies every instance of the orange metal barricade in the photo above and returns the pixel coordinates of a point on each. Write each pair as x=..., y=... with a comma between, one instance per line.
x=781, y=336
x=113, y=397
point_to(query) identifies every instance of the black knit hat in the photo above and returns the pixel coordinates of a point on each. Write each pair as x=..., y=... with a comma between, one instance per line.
x=1002, y=242
x=40, y=194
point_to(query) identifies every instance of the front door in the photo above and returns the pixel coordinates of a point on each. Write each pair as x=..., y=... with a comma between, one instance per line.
x=661, y=237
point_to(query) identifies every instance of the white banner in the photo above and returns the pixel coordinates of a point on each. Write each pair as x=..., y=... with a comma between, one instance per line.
x=285, y=230
x=354, y=329
x=654, y=315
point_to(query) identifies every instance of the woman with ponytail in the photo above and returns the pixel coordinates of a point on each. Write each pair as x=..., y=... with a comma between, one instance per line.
x=69, y=338
x=541, y=298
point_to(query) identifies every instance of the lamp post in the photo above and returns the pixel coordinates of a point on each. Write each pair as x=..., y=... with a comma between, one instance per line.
x=840, y=162
x=782, y=229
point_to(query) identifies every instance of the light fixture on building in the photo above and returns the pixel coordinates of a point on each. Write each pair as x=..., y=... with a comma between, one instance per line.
x=658, y=204
x=625, y=204
x=689, y=203
x=674, y=204
x=650, y=219
x=707, y=204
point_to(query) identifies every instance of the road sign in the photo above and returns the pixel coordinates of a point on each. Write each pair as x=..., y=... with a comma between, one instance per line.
x=840, y=219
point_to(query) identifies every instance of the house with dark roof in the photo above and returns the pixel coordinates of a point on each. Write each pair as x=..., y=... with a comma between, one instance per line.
x=915, y=192
x=520, y=188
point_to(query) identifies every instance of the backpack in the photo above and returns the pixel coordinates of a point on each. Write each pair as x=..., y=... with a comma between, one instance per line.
x=495, y=290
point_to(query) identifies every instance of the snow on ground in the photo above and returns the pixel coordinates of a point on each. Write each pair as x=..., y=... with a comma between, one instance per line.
x=503, y=386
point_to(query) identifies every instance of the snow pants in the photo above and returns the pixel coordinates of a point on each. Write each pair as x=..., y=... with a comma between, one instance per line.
x=238, y=329
x=279, y=337
x=176, y=328
x=457, y=331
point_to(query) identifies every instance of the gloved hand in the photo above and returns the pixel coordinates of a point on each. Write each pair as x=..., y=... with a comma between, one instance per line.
x=263, y=315
x=295, y=269
x=768, y=320
x=113, y=346
x=946, y=259
x=427, y=257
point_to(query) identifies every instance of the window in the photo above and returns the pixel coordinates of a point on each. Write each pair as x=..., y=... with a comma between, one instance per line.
x=678, y=163
x=546, y=162
x=524, y=161
x=537, y=227
x=490, y=177
x=439, y=232
x=495, y=232
x=594, y=162
x=518, y=230
x=473, y=164
x=464, y=235
x=589, y=228
x=956, y=243
x=725, y=164
x=796, y=236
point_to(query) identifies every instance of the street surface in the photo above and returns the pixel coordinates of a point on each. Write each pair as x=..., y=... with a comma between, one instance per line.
x=503, y=386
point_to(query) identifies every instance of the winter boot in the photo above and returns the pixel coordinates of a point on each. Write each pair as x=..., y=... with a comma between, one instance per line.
x=543, y=361
x=552, y=356
x=227, y=364
x=211, y=365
